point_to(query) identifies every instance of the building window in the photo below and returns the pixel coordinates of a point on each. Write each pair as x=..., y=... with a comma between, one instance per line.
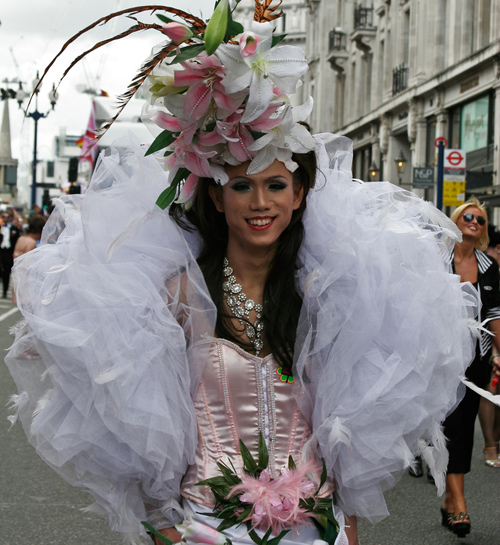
x=363, y=17
x=399, y=79
x=474, y=125
x=50, y=169
x=11, y=176
x=472, y=130
x=337, y=41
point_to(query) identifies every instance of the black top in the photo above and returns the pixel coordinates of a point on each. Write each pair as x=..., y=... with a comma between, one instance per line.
x=488, y=283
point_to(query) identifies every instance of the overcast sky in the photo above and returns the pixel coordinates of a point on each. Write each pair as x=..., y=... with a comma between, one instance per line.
x=31, y=34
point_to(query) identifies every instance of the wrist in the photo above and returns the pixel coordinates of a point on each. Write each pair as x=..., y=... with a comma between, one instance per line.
x=493, y=356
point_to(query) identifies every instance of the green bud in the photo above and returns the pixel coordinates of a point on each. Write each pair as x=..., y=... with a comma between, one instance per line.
x=216, y=28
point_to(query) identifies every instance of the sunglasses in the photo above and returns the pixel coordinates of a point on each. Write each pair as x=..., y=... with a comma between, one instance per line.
x=469, y=217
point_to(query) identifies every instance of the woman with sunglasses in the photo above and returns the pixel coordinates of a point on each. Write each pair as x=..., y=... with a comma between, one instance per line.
x=472, y=265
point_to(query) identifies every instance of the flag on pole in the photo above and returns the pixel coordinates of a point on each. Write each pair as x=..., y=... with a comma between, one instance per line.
x=89, y=142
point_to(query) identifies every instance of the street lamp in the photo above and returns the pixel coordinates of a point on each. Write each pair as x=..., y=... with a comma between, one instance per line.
x=400, y=164
x=36, y=116
x=373, y=171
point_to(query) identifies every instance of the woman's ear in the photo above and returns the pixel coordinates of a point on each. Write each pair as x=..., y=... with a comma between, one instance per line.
x=215, y=192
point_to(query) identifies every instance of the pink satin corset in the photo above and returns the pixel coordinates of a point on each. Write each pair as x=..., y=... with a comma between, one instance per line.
x=239, y=396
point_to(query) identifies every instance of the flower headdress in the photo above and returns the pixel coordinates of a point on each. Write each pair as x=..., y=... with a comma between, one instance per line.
x=220, y=94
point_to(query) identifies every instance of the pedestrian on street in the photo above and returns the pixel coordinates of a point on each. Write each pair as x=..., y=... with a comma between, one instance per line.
x=474, y=266
x=9, y=233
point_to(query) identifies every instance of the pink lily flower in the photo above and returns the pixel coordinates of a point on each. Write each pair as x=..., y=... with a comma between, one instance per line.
x=203, y=76
x=248, y=43
x=193, y=532
x=177, y=32
x=188, y=191
x=196, y=161
x=237, y=136
x=167, y=121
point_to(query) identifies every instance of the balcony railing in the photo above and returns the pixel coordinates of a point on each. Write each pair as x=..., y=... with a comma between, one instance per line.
x=399, y=79
x=337, y=41
x=363, y=17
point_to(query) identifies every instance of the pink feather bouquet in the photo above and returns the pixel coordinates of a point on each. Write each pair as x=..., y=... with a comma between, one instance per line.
x=275, y=506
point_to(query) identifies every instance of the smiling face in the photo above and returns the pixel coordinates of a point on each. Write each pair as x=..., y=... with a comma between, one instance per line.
x=257, y=207
x=472, y=228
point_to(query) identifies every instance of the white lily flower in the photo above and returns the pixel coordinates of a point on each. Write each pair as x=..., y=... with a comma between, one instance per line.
x=160, y=83
x=254, y=64
x=287, y=138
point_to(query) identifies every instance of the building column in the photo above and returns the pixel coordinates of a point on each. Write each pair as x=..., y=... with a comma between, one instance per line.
x=385, y=125
x=442, y=124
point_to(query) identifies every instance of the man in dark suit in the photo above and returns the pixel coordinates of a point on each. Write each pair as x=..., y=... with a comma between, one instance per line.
x=9, y=233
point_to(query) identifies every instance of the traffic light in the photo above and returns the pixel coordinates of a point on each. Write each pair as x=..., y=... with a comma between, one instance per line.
x=73, y=169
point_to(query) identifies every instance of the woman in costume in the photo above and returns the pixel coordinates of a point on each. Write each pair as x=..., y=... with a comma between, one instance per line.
x=278, y=311
x=474, y=266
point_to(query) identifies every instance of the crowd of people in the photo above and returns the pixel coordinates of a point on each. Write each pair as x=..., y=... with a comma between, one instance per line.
x=253, y=344
x=18, y=235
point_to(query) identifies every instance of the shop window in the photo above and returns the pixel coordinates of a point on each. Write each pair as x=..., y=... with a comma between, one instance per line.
x=474, y=125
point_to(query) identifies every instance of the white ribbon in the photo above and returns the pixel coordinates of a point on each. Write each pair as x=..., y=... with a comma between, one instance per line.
x=484, y=393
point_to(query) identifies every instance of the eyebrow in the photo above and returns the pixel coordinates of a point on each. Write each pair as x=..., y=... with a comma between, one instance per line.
x=280, y=177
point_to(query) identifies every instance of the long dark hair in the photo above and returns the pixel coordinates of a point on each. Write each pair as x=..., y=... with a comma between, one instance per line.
x=282, y=300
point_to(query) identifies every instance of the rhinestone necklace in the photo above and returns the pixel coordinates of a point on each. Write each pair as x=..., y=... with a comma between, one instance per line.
x=241, y=306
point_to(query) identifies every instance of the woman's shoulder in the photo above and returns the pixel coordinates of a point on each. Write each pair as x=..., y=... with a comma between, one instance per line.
x=485, y=262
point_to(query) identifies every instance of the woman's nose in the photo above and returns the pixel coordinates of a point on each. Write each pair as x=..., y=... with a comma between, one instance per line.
x=260, y=200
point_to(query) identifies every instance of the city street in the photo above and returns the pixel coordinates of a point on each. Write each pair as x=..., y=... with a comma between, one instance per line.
x=39, y=508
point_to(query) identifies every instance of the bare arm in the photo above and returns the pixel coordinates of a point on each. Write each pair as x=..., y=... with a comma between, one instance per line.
x=351, y=529
x=494, y=326
x=171, y=533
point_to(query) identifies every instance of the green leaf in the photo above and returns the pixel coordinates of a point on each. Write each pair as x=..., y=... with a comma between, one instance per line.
x=217, y=26
x=188, y=52
x=214, y=481
x=233, y=29
x=317, y=521
x=165, y=19
x=225, y=524
x=277, y=539
x=166, y=197
x=323, y=476
x=151, y=530
x=163, y=140
x=229, y=476
x=265, y=537
x=331, y=533
x=277, y=39
x=263, y=453
x=254, y=536
x=242, y=516
x=291, y=463
x=248, y=462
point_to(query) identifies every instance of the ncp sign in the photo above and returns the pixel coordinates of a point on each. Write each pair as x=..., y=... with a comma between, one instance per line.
x=423, y=177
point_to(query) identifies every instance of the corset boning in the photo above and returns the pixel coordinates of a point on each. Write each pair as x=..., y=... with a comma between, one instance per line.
x=239, y=396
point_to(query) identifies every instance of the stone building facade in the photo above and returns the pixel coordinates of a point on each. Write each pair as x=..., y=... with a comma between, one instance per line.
x=395, y=74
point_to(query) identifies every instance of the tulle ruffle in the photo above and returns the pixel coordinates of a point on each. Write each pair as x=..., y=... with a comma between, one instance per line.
x=106, y=391
x=384, y=332
x=113, y=299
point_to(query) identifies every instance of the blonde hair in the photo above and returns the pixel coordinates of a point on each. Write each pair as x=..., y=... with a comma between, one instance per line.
x=473, y=202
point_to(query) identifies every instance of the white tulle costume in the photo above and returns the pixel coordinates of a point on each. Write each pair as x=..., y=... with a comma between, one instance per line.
x=113, y=301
